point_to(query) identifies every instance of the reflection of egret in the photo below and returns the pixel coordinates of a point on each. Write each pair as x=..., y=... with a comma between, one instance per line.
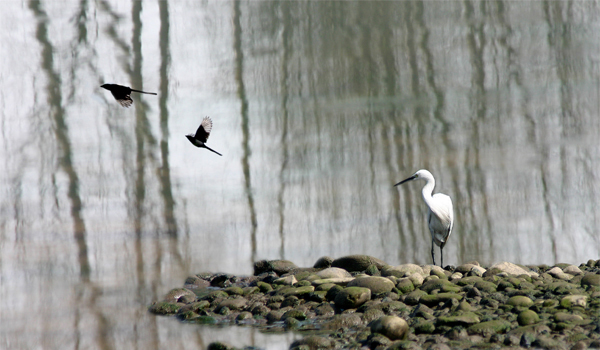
x=440, y=217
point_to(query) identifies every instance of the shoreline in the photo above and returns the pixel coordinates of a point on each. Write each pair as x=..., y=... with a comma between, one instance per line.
x=359, y=301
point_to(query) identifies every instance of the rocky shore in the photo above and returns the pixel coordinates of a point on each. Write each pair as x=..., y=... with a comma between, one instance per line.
x=360, y=302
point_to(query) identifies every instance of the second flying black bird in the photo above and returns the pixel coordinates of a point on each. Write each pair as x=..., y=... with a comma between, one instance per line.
x=199, y=139
x=123, y=93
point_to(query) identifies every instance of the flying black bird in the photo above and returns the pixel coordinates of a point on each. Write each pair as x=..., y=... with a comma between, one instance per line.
x=123, y=93
x=199, y=139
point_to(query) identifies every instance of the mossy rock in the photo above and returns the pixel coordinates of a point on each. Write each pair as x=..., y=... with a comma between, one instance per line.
x=435, y=299
x=405, y=285
x=343, y=321
x=520, y=300
x=572, y=301
x=393, y=327
x=485, y=286
x=377, y=285
x=165, y=308
x=214, y=295
x=442, y=285
x=300, y=292
x=495, y=326
x=180, y=295
x=352, y=297
x=414, y=297
x=424, y=327
x=357, y=263
x=250, y=290
x=294, y=313
x=463, y=319
x=591, y=280
x=528, y=317
x=471, y=280
x=234, y=291
x=264, y=287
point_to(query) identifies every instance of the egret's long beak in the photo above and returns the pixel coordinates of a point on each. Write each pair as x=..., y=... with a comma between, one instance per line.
x=406, y=180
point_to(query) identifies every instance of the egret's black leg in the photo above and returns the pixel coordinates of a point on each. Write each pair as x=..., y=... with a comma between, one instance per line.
x=432, y=252
x=442, y=257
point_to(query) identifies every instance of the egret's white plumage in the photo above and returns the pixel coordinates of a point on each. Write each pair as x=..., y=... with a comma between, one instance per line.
x=440, y=217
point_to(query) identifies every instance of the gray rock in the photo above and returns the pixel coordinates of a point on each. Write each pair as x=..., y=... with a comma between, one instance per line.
x=557, y=272
x=512, y=269
x=339, y=281
x=343, y=321
x=174, y=295
x=278, y=266
x=393, y=327
x=334, y=272
x=232, y=304
x=573, y=270
x=323, y=263
x=287, y=280
x=377, y=285
x=313, y=342
x=357, y=263
x=402, y=270
x=352, y=297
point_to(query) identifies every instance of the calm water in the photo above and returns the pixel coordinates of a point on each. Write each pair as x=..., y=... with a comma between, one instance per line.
x=318, y=109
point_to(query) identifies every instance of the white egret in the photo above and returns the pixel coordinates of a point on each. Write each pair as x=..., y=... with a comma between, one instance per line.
x=440, y=217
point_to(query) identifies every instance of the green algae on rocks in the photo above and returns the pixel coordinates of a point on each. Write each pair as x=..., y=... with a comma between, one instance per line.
x=359, y=301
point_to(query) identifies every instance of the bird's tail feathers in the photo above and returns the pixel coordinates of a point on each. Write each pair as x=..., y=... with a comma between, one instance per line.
x=144, y=92
x=210, y=149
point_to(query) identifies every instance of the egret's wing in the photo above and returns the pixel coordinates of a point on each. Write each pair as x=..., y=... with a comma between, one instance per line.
x=440, y=218
x=204, y=130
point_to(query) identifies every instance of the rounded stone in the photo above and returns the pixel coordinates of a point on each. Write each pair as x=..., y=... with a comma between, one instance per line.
x=393, y=327
x=377, y=285
x=357, y=263
x=527, y=317
x=573, y=300
x=232, y=304
x=313, y=342
x=175, y=294
x=333, y=272
x=402, y=270
x=520, y=300
x=511, y=269
x=405, y=285
x=591, y=279
x=323, y=263
x=352, y=297
x=278, y=266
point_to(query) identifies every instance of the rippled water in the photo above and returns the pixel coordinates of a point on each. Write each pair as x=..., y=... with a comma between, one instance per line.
x=319, y=108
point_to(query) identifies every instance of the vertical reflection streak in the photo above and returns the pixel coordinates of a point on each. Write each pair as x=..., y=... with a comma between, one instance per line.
x=61, y=133
x=165, y=169
x=476, y=43
x=286, y=38
x=239, y=77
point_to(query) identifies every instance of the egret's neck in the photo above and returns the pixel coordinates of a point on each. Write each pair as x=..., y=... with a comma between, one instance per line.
x=428, y=191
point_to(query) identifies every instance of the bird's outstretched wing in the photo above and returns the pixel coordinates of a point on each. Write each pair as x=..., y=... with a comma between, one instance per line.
x=204, y=130
x=125, y=101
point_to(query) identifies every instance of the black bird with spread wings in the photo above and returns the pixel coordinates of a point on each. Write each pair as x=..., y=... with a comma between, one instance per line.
x=199, y=139
x=123, y=93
